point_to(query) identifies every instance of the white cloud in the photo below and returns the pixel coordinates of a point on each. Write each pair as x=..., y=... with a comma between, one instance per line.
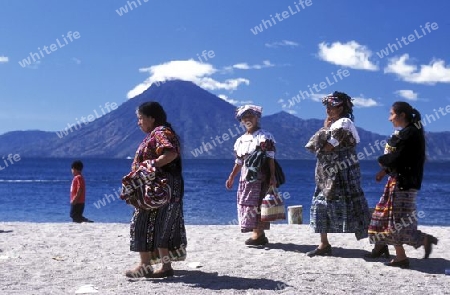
x=241, y=66
x=187, y=70
x=350, y=54
x=234, y=101
x=292, y=112
x=317, y=97
x=407, y=94
x=229, y=84
x=4, y=59
x=76, y=60
x=364, y=102
x=435, y=72
x=281, y=43
x=246, y=66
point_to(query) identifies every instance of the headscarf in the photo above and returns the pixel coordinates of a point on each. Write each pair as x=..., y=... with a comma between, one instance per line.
x=337, y=99
x=248, y=108
x=333, y=101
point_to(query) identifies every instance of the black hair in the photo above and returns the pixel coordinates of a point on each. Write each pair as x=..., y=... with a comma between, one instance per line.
x=155, y=110
x=411, y=114
x=77, y=165
x=347, y=105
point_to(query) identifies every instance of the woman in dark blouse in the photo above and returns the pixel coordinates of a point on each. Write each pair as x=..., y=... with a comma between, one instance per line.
x=394, y=221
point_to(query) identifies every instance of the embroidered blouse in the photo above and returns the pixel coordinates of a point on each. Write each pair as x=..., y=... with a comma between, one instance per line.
x=247, y=144
x=160, y=139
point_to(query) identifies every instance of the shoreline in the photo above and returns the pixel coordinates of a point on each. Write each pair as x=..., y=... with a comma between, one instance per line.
x=303, y=226
x=62, y=258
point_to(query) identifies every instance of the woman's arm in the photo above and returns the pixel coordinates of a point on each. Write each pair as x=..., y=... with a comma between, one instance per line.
x=273, y=180
x=327, y=147
x=234, y=172
x=399, y=154
x=167, y=157
x=379, y=176
x=341, y=133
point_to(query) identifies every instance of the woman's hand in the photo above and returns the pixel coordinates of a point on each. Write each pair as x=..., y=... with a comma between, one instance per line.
x=328, y=147
x=380, y=175
x=229, y=183
x=273, y=181
x=234, y=172
x=328, y=122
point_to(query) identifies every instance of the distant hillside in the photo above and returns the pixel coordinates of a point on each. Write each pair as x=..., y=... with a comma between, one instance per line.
x=204, y=122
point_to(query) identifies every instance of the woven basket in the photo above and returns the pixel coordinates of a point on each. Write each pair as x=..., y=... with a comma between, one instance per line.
x=272, y=206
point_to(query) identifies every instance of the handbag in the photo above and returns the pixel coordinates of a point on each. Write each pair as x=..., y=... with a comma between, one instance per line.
x=279, y=174
x=145, y=188
x=272, y=206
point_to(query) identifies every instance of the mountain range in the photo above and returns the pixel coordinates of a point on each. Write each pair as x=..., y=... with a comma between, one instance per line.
x=204, y=122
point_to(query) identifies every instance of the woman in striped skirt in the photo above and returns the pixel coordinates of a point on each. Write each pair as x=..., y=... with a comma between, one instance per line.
x=338, y=204
x=394, y=221
x=159, y=235
x=251, y=190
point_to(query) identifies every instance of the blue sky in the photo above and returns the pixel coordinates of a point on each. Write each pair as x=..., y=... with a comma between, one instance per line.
x=103, y=52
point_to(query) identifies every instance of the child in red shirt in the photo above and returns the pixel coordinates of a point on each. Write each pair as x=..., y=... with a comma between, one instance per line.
x=77, y=194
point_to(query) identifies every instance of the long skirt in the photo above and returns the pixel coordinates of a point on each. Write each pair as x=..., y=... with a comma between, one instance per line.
x=338, y=204
x=394, y=221
x=249, y=199
x=161, y=228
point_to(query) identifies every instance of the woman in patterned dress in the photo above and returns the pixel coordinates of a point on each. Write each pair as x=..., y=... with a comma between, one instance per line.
x=159, y=235
x=251, y=191
x=394, y=221
x=338, y=204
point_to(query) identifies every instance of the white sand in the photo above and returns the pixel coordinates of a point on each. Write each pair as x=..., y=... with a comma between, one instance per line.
x=63, y=258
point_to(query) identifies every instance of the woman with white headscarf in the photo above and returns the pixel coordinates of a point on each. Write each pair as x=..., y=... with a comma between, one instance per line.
x=252, y=187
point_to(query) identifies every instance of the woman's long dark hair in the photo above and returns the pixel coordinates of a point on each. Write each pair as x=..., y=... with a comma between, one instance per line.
x=412, y=116
x=155, y=110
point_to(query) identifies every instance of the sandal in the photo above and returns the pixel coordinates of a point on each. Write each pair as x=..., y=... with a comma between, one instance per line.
x=140, y=272
x=260, y=241
x=320, y=252
x=160, y=275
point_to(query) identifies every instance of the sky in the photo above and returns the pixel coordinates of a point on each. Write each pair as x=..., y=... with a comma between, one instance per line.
x=61, y=60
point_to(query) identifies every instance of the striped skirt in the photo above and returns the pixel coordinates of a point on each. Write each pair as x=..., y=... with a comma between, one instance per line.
x=338, y=204
x=161, y=228
x=249, y=199
x=394, y=221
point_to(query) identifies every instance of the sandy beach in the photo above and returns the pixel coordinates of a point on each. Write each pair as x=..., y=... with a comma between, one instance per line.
x=66, y=258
